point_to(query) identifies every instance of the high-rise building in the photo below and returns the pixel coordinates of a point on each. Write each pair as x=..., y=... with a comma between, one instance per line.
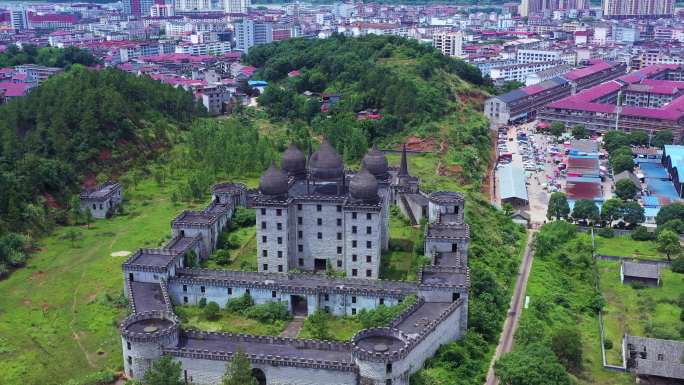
x=528, y=7
x=19, y=19
x=193, y=5
x=638, y=8
x=249, y=33
x=236, y=6
x=450, y=43
x=162, y=10
x=137, y=7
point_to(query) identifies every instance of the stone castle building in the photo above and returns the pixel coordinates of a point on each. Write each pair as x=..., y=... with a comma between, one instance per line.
x=312, y=215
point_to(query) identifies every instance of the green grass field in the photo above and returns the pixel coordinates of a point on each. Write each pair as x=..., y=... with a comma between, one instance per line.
x=192, y=318
x=341, y=328
x=650, y=312
x=242, y=258
x=627, y=247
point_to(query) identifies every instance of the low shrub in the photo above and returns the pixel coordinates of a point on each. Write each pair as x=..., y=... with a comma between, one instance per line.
x=606, y=232
x=678, y=265
x=642, y=234
x=268, y=312
x=211, y=311
x=607, y=344
x=202, y=303
x=240, y=303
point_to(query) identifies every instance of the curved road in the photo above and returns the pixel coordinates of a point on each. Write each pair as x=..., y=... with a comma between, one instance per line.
x=514, y=310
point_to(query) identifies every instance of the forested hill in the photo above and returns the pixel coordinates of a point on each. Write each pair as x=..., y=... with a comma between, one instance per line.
x=76, y=124
x=411, y=88
x=47, y=56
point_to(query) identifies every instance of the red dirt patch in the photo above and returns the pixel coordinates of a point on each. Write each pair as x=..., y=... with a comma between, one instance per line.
x=414, y=143
x=90, y=180
x=38, y=276
x=50, y=201
x=104, y=154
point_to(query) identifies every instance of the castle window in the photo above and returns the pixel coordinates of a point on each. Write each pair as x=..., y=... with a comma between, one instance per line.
x=130, y=360
x=279, y=226
x=382, y=301
x=230, y=291
x=354, y=243
x=369, y=259
x=94, y=207
x=353, y=311
x=264, y=253
x=353, y=257
x=185, y=299
x=369, y=244
x=265, y=267
x=319, y=235
x=319, y=208
x=263, y=211
x=301, y=261
x=369, y=273
x=300, y=248
x=353, y=215
x=339, y=208
x=326, y=297
x=661, y=357
x=263, y=239
x=339, y=263
x=353, y=229
x=202, y=289
x=339, y=221
x=455, y=297
x=263, y=225
x=299, y=207
x=368, y=230
x=100, y=206
x=388, y=367
x=280, y=240
x=339, y=250
x=280, y=254
x=339, y=236
x=185, y=288
x=369, y=216
x=128, y=345
x=327, y=309
x=300, y=220
x=273, y=294
x=319, y=221
x=300, y=234
x=247, y=291
x=354, y=273
x=353, y=299
x=279, y=212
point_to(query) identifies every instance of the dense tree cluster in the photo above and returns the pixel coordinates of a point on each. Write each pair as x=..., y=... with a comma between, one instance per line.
x=366, y=74
x=76, y=123
x=46, y=56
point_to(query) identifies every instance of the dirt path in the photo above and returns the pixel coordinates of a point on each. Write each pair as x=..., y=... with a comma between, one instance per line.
x=77, y=338
x=293, y=328
x=511, y=324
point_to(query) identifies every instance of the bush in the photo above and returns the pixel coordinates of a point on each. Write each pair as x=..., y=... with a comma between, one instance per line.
x=240, y=303
x=211, y=311
x=607, y=344
x=606, y=232
x=678, y=266
x=642, y=234
x=268, y=312
x=636, y=285
x=202, y=303
x=222, y=257
x=244, y=217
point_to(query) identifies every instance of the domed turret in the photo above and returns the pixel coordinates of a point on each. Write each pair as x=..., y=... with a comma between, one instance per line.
x=294, y=161
x=273, y=182
x=376, y=163
x=326, y=163
x=364, y=186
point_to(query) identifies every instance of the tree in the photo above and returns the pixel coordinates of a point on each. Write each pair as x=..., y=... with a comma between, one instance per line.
x=669, y=212
x=164, y=371
x=622, y=162
x=614, y=140
x=558, y=206
x=638, y=138
x=668, y=243
x=678, y=267
x=533, y=364
x=566, y=343
x=580, y=132
x=72, y=235
x=633, y=213
x=557, y=129
x=509, y=86
x=211, y=311
x=239, y=370
x=586, y=210
x=626, y=189
x=676, y=225
x=611, y=210
x=317, y=324
x=662, y=138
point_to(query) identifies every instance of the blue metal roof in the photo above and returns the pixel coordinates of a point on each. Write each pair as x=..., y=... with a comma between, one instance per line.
x=512, y=182
x=676, y=154
x=651, y=201
x=654, y=170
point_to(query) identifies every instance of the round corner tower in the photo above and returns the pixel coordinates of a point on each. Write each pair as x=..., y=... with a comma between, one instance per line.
x=446, y=207
x=144, y=336
x=380, y=354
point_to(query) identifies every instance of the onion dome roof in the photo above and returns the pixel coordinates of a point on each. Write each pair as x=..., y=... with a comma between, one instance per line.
x=376, y=162
x=364, y=186
x=273, y=182
x=294, y=161
x=326, y=163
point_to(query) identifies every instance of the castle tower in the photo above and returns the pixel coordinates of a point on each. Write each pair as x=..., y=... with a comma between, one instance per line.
x=143, y=336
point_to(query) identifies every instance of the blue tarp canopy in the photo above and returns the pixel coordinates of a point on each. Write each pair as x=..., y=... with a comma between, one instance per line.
x=651, y=201
x=653, y=170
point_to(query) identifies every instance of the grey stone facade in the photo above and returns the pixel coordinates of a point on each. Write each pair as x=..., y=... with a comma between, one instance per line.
x=102, y=200
x=294, y=205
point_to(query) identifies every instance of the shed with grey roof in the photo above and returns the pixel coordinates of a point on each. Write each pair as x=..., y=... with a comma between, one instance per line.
x=512, y=188
x=654, y=357
x=645, y=273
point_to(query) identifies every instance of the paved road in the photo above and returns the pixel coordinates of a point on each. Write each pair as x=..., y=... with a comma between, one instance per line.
x=517, y=301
